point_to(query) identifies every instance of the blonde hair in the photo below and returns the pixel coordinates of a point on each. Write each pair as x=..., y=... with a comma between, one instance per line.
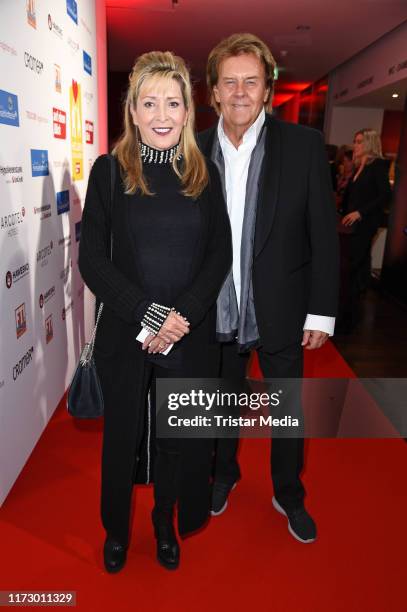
x=191, y=169
x=237, y=44
x=372, y=145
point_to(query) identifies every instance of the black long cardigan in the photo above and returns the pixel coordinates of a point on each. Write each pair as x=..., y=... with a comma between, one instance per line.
x=119, y=358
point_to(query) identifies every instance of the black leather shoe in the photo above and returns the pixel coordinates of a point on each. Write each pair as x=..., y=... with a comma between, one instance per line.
x=220, y=495
x=114, y=555
x=168, y=551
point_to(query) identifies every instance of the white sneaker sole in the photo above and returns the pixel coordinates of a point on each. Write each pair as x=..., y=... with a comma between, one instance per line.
x=225, y=505
x=290, y=529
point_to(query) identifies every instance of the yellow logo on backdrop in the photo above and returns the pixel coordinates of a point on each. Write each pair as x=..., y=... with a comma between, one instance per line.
x=75, y=106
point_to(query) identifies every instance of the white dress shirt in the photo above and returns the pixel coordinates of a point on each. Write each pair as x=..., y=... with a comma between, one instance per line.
x=236, y=171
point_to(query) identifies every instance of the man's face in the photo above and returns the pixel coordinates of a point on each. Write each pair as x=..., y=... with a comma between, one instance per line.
x=241, y=90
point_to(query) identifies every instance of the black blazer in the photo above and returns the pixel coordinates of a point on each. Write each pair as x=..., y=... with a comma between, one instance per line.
x=296, y=255
x=119, y=283
x=369, y=195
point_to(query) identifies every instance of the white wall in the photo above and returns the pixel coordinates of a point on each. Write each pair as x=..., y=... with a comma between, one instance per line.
x=42, y=297
x=346, y=120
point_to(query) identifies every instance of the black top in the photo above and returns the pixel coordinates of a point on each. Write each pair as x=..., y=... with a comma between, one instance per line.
x=165, y=228
x=369, y=194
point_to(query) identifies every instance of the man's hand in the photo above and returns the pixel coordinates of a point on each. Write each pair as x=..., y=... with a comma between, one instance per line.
x=351, y=217
x=313, y=339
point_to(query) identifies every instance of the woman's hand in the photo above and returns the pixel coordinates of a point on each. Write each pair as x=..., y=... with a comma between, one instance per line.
x=156, y=345
x=172, y=330
x=351, y=217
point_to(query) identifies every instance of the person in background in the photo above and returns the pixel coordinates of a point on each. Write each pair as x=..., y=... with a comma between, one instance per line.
x=364, y=200
x=345, y=173
x=171, y=252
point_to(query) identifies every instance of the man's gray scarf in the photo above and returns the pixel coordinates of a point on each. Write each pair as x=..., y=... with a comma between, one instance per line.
x=229, y=326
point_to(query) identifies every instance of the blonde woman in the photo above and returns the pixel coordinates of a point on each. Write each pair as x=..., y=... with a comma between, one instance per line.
x=171, y=253
x=364, y=200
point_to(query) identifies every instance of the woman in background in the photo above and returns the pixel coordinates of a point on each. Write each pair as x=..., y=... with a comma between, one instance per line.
x=364, y=200
x=171, y=253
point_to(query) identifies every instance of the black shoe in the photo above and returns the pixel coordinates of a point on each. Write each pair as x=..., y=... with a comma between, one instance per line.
x=168, y=551
x=220, y=494
x=300, y=524
x=114, y=554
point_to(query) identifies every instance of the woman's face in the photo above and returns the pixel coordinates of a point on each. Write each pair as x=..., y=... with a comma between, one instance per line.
x=358, y=146
x=160, y=113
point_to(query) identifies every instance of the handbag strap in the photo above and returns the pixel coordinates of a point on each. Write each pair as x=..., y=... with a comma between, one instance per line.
x=87, y=353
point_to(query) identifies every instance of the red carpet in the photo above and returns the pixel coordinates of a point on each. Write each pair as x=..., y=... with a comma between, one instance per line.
x=51, y=537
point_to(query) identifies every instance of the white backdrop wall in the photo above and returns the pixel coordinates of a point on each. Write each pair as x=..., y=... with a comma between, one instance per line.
x=48, y=142
x=382, y=63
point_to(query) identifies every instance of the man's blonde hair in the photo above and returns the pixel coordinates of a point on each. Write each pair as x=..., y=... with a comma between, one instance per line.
x=234, y=45
x=191, y=169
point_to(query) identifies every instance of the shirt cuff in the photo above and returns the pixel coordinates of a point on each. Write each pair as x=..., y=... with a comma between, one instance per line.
x=320, y=323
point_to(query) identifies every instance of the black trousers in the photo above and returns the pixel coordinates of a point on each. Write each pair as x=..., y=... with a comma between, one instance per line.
x=286, y=453
x=181, y=466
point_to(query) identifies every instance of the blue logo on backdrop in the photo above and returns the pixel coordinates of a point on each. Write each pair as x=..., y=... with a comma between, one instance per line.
x=62, y=201
x=72, y=10
x=9, y=108
x=87, y=63
x=39, y=162
x=78, y=231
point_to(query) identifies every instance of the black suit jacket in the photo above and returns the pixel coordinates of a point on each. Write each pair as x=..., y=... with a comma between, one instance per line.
x=296, y=255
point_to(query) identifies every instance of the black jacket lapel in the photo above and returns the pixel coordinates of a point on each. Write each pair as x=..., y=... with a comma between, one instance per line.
x=205, y=140
x=270, y=184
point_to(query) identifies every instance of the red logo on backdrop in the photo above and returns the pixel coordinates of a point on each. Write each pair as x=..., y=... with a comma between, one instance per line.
x=21, y=320
x=89, y=132
x=59, y=123
x=49, y=329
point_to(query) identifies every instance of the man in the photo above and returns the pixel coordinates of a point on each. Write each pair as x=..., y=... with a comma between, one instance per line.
x=281, y=294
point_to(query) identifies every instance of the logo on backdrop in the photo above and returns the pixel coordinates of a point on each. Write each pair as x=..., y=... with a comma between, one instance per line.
x=54, y=27
x=78, y=231
x=33, y=116
x=57, y=74
x=89, y=132
x=75, y=106
x=59, y=123
x=11, y=222
x=9, y=108
x=44, y=211
x=31, y=16
x=49, y=329
x=44, y=253
x=16, y=275
x=39, y=162
x=7, y=48
x=13, y=174
x=46, y=297
x=63, y=201
x=73, y=44
x=66, y=310
x=72, y=10
x=21, y=320
x=87, y=63
x=33, y=63
x=23, y=363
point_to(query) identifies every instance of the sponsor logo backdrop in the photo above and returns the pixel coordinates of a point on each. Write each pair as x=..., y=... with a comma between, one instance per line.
x=48, y=127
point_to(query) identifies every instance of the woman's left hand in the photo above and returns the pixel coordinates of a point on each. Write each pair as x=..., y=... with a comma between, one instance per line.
x=155, y=344
x=351, y=217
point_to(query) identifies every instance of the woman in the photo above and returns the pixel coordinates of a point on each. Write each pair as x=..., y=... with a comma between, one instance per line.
x=364, y=200
x=171, y=250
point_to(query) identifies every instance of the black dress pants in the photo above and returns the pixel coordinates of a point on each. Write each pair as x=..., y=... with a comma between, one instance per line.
x=286, y=453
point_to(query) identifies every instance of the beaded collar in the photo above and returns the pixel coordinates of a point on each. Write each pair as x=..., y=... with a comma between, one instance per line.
x=155, y=156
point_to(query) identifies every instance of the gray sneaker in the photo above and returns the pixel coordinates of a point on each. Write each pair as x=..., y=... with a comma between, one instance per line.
x=300, y=524
x=220, y=494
